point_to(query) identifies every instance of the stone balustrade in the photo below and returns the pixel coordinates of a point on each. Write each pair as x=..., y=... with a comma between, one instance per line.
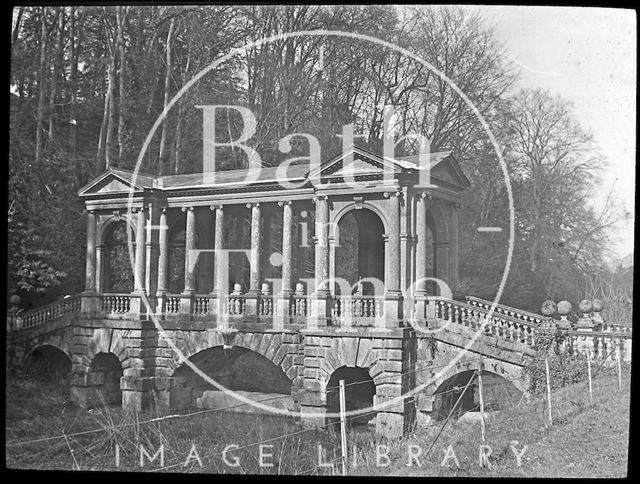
x=115, y=303
x=526, y=316
x=504, y=326
x=357, y=309
x=28, y=319
x=601, y=344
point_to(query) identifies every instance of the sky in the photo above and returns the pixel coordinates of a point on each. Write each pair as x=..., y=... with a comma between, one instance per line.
x=587, y=55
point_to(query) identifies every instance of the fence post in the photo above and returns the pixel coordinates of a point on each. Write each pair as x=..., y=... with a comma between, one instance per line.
x=480, y=390
x=343, y=428
x=546, y=364
x=589, y=373
x=618, y=354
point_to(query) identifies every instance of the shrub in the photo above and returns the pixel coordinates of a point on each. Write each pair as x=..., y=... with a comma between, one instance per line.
x=564, y=369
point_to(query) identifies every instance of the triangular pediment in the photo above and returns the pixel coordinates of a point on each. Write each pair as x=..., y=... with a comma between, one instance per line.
x=354, y=162
x=115, y=182
x=448, y=170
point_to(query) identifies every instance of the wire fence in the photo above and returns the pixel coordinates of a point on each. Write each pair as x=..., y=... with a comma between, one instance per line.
x=559, y=408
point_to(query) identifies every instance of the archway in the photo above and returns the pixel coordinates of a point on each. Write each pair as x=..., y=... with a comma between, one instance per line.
x=117, y=275
x=49, y=363
x=498, y=393
x=238, y=369
x=104, y=376
x=359, y=249
x=359, y=392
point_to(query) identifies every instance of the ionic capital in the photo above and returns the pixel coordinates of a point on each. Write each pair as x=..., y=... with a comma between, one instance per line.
x=187, y=209
x=282, y=203
x=396, y=193
x=216, y=206
x=253, y=205
x=320, y=198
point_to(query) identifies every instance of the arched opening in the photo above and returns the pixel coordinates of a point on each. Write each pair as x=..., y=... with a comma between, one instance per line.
x=498, y=393
x=48, y=363
x=238, y=369
x=359, y=249
x=104, y=376
x=118, y=273
x=359, y=392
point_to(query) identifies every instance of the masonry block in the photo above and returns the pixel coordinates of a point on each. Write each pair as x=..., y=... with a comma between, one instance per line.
x=312, y=417
x=389, y=425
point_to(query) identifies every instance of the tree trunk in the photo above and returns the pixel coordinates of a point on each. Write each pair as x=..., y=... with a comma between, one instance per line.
x=57, y=69
x=18, y=26
x=41, y=76
x=165, y=122
x=120, y=18
x=111, y=118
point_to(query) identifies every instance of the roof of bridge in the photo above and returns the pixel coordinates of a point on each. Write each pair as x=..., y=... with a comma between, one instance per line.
x=355, y=161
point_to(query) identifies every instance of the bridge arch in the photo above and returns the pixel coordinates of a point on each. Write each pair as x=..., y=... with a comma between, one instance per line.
x=499, y=390
x=47, y=360
x=360, y=390
x=105, y=372
x=237, y=369
x=269, y=345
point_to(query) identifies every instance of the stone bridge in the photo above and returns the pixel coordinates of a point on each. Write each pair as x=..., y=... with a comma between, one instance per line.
x=123, y=358
x=278, y=286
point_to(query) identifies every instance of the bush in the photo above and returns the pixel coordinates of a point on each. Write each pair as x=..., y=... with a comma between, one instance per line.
x=564, y=370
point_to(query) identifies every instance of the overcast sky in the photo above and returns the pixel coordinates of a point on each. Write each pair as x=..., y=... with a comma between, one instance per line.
x=587, y=55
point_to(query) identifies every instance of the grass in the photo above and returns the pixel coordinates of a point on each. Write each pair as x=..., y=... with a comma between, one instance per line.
x=585, y=440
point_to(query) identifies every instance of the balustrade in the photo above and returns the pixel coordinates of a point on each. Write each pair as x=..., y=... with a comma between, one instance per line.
x=115, y=303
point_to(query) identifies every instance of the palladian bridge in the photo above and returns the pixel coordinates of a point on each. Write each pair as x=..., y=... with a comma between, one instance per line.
x=283, y=283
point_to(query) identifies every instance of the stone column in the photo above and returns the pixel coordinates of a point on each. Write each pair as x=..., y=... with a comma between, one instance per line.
x=251, y=301
x=220, y=272
x=220, y=269
x=254, y=274
x=421, y=248
x=141, y=238
x=321, y=303
x=90, y=276
x=283, y=302
x=163, y=255
x=423, y=200
x=453, y=249
x=392, y=269
x=99, y=267
x=393, y=294
x=322, y=245
x=287, y=241
x=189, y=272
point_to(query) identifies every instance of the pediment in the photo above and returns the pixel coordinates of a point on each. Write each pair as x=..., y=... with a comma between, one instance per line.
x=111, y=182
x=449, y=171
x=354, y=162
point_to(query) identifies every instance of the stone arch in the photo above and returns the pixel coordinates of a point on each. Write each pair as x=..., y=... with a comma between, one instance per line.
x=269, y=345
x=334, y=218
x=510, y=372
x=54, y=360
x=106, y=340
x=107, y=225
x=103, y=378
x=360, y=390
